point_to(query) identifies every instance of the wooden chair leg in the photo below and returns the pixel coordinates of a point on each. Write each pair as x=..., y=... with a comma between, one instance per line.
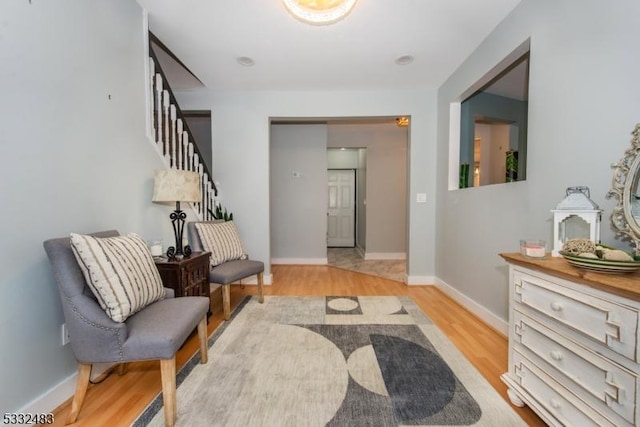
x=122, y=369
x=168, y=377
x=260, y=290
x=202, y=336
x=82, y=382
x=226, y=301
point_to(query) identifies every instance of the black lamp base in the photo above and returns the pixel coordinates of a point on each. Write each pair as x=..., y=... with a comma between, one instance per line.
x=177, y=221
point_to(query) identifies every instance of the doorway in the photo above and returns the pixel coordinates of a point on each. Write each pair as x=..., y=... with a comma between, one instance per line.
x=341, y=209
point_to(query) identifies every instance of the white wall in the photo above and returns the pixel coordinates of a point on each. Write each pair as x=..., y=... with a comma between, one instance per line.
x=583, y=103
x=298, y=197
x=74, y=158
x=241, y=155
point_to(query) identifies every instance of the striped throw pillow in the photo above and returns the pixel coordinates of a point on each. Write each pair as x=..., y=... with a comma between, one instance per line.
x=222, y=240
x=120, y=271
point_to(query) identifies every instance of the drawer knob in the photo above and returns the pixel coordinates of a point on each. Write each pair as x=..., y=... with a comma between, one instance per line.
x=554, y=404
x=556, y=355
x=556, y=306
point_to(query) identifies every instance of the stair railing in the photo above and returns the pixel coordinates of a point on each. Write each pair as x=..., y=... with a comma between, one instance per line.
x=174, y=140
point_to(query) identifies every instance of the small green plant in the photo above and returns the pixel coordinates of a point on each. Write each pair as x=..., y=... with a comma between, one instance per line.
x=511, y=166
x=221, y=213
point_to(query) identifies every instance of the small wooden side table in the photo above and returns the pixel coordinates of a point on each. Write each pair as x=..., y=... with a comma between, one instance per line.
x=186, y=276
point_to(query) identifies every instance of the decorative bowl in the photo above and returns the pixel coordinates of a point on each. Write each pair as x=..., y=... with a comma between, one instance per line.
x=601, y=265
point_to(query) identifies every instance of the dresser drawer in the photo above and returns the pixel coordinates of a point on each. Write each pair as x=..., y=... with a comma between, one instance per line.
x=611, y=387
x=563, y=405
x=606, y=322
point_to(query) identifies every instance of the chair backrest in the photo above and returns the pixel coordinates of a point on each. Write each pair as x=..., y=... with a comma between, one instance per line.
x=86, y=321
x=194, y=237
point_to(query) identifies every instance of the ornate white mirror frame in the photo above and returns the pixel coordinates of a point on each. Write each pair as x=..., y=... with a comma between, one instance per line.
x=626, y=215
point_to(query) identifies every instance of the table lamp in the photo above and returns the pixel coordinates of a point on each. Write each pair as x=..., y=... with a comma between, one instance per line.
x=173, y=185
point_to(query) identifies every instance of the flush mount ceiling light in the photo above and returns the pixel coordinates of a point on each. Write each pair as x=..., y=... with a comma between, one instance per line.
x=319, y=12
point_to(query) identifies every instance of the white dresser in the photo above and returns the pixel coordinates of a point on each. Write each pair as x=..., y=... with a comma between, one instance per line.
x=574, y=343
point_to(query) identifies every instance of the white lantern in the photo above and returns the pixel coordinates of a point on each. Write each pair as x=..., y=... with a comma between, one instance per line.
x=575, y=217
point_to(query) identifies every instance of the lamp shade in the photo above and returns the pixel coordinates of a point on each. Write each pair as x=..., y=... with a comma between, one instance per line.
x=173, y=185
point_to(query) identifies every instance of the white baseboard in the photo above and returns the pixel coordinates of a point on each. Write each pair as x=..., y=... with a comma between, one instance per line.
x=61, y=392
x=300, y=261
x=485, y=315
x=418, y=280
x=385, y=255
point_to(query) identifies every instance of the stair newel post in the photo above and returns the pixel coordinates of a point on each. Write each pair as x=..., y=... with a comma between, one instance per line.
x=159, y=111
x=174, y=154
x=179, y=140
x=165, y=105
x=152, y=75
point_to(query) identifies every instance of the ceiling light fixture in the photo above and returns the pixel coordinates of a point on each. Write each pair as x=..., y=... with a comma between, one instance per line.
x=319, y=12
x=402, y=122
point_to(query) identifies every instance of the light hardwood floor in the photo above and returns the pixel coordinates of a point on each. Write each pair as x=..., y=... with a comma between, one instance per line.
x=118, y=400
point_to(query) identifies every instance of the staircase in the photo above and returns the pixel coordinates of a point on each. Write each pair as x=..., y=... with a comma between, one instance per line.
x=173, y=139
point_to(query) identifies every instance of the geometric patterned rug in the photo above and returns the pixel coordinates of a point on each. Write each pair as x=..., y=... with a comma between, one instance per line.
x=332, y=361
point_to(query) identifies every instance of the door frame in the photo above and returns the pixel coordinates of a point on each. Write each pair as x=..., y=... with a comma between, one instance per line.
x=355, y=208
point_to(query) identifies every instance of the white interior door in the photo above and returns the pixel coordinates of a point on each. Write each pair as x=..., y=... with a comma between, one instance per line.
x=341, y=210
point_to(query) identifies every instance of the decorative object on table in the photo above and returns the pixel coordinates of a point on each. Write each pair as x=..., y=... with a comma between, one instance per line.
x=511, y=166
x=576, y=210
x=175, y=186
x=155, y=246
x=625, y=218
x=586, y=254
x=532, y=248
x=464, y=175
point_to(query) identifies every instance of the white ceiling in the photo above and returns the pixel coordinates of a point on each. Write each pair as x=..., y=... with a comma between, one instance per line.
x=357, y=53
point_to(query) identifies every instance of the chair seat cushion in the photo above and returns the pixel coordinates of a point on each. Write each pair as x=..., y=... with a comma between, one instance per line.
x=120, y=271
x=159, y=330
x=232, y=271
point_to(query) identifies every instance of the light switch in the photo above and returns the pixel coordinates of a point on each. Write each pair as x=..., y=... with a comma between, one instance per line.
x=421, y=197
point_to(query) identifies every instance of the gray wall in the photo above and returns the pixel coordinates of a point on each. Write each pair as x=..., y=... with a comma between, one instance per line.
x=75, y=158
x=584, y=101
x=241, y=155
x=298, y=204
x=386, y=180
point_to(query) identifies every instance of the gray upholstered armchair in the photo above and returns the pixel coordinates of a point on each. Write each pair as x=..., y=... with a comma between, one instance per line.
x=228, y=271
x=155, y=332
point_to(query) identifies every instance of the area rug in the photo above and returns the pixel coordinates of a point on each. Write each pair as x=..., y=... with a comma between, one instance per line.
x=332, y=361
